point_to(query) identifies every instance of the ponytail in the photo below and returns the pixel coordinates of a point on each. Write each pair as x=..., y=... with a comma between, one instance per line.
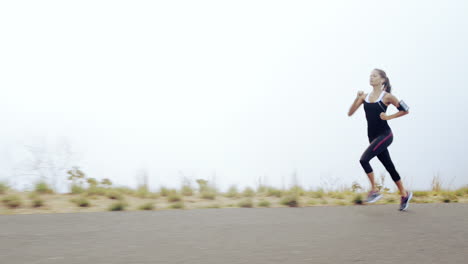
x=386, y=83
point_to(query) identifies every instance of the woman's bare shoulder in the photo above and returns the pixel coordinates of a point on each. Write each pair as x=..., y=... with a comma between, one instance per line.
x=388, y=98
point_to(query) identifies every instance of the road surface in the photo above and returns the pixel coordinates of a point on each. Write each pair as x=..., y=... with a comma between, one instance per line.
x=427, y=233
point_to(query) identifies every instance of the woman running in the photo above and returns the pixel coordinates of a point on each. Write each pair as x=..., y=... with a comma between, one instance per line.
x=379, y=133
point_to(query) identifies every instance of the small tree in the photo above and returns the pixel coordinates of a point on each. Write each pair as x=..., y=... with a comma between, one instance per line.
x=202, y=185
x=92, y=182
x=76, y=176
x=106, y=182
x=356, y=187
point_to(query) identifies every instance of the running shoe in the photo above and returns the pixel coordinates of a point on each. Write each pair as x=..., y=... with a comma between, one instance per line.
x=373, y=197
x=405, y=201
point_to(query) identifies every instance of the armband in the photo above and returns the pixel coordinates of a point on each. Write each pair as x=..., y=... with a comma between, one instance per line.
x=403, y=106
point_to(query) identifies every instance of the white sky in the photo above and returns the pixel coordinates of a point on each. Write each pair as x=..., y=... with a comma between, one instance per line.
x=240, y=89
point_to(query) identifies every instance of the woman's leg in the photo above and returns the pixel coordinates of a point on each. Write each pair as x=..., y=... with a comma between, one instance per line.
x=364, y=160
x=402, y=189
x=386, y=160
x=377, y=146
x=406, y=196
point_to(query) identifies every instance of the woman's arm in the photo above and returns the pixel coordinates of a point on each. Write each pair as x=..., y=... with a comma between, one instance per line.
x=390, y=98
x=357, y=102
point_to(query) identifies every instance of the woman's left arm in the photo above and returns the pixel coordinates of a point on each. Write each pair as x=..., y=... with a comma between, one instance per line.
x=390, y=98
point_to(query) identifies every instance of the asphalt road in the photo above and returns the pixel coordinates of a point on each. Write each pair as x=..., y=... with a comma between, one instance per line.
x=427, y=233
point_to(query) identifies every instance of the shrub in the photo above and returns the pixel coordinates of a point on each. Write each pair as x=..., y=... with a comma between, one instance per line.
x=43, y=188
x=174, y=197
x=187, y=190
x=114, y=195
x=38, y=202
x=358, y=199
x=246, y=203
x=3, y=188
x=319, y=193
x=177, y=205
x=248, y=192
x=264, y=203
x=462, y=191
x=210, y=195
x=262, y=189
x=118, y=206
x=77, y=189
x=448, y=197
x=12, y=201
x=206, y=191
x=82, y=202
x=143, y=191
x=274, y=192
x=297, y=190
x=232, y=192
x=147, y=206
x=163, y=191
x=290, y=200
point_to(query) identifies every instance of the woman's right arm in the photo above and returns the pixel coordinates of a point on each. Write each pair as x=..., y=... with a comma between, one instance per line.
x=357, y=103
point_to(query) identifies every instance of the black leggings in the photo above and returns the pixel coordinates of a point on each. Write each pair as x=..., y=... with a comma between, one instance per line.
x=378, y=147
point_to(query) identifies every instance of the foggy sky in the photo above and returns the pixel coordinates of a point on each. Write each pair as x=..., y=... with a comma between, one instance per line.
x=231, y=91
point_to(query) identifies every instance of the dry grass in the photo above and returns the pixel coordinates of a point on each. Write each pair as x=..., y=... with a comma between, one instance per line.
x=42, y=187
x=103, y=198
x=177, y=205
x=174, y=197
x=264, y=203
x=3, y=188
x=232, y=192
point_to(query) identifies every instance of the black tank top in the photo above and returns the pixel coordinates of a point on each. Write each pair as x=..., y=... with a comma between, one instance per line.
x=375, y=125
